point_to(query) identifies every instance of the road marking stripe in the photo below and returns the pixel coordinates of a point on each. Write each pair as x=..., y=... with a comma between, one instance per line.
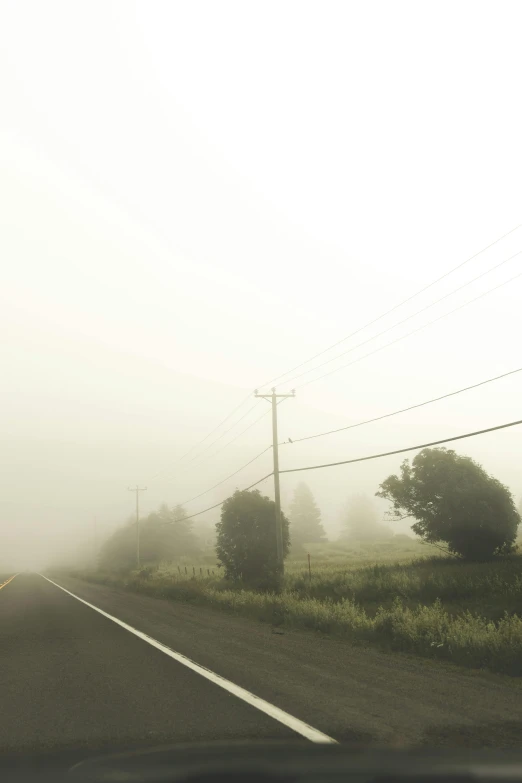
x=314, y=735
x=8, y=580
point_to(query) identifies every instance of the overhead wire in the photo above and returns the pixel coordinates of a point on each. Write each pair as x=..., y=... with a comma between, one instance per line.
x=239, y=434
x=375, y=320
x=245, y=399
x=339, y=342
x=215, y=441
x=255, y=405
x=353, y=426
x=408, y=318
x=392, y=309
x=408, y=448
x=211, y=456
x=226, y=445
x=408, y=334
x=217, y=505
x=184, y=502
x=364, y=459
x=403, y=410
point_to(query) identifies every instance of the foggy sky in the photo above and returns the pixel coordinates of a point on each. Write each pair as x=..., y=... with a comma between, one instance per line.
x=196, y=197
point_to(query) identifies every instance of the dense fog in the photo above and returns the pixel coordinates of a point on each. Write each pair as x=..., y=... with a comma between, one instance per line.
x=174, y=236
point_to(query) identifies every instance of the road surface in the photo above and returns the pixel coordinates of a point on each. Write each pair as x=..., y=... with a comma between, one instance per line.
x=72, y=677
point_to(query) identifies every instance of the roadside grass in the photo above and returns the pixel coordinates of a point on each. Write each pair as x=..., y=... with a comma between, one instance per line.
x=493, y=588
x=437, y=607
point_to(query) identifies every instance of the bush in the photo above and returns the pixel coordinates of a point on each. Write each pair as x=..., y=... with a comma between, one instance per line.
x=246, y=539
x=454, y=502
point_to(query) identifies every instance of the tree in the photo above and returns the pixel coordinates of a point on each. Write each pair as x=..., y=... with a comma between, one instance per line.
x=246, y=538
x=454, y=502
x=164, y=535
x=305, y=519
x=361, y=519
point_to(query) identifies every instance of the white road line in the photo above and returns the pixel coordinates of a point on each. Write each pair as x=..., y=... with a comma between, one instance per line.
x=314, y=735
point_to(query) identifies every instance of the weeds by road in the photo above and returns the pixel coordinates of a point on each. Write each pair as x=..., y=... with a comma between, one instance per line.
x=436, y=607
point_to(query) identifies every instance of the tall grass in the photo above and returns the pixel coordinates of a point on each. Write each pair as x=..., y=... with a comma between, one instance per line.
x=398, y=607
x=450, y=581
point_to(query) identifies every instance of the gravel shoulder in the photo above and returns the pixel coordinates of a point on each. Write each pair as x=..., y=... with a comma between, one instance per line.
x=353, y=693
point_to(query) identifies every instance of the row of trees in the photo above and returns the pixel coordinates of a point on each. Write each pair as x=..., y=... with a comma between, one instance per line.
x=359, y=520
x=450, y=499
x=165, y=534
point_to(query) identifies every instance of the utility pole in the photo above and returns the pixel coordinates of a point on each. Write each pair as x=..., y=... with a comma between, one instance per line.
x=277, y=492
x=137, y=490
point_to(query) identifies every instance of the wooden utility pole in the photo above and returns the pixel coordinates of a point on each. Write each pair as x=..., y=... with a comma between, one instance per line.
x=277, y=492
x=137, y=490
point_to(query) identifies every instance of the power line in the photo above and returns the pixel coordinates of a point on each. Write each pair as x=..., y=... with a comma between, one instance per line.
x=184, y=503
x=265, y=413
x=252, y=424
x=364, y=459
x=209, y=434
x=408, y=318
x=358, y=424
x=408, y=448
x=216, y=505
x=370, y=323
x=243, y=466
x=237, y=436
x=225, y=433
x=408, y=334
x=217, y=427
x=404, y=410
x=307, y=361
x=392, y=309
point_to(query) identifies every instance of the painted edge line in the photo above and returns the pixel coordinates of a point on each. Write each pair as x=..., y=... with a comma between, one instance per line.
x=307, y=731
x=4, y=584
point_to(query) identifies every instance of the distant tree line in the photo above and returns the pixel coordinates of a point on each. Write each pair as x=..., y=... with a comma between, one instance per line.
x=450, y=500
x=165, y=534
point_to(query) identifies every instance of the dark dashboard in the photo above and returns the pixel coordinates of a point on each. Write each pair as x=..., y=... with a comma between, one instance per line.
x=267, y=763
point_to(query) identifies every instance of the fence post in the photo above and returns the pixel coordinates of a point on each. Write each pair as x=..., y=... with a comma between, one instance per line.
x=309, y=569
x=179, y=570
x=208, y=571
x=185, y=569
x=200, y=571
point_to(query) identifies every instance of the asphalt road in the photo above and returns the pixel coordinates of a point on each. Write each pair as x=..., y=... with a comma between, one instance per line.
x=73, y=678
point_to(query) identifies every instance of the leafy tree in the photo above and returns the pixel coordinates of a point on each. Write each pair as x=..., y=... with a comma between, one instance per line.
x=305, y=518
x=246, y=538
x=164, y=535
x=361, y=519
x=455, y=502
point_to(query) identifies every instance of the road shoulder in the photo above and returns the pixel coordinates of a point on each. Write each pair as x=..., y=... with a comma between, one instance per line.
x=354, y=693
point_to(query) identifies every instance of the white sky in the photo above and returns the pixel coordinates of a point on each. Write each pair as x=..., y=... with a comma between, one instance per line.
x=197, y=196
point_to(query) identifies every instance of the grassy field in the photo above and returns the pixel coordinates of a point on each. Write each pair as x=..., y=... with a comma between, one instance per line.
x=399, y=594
